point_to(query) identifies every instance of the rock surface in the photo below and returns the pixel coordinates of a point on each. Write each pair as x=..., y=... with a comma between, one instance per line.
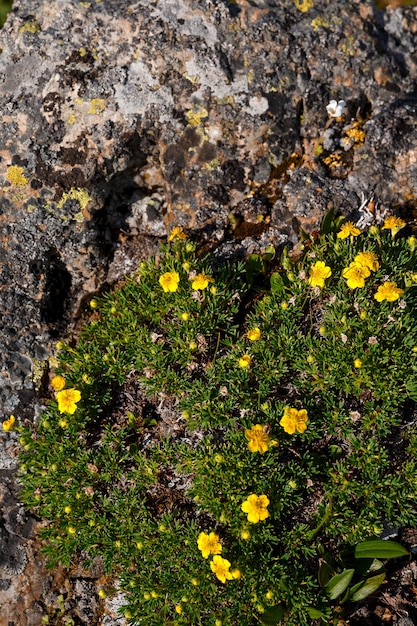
x=121, y=119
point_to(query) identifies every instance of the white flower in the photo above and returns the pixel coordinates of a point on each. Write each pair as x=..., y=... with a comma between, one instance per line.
x=335, y=108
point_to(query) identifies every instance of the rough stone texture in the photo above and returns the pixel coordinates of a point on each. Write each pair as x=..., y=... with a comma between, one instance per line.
x=122, y=118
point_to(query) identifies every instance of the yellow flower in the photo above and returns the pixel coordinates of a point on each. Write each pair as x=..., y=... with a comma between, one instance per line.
x=209, y=544
x=318, y=274
x=169, y=281
x=185, y=317
x=178, y=609
x=294, y=420
x=348, y=228
x=8, y=424
x=245, y=361
x=356, y=274
x=253, y=334
x=67, y=400
x=256, y=508
x=394, y=224
x=177, y=233
x=220, y=567
x=389, y=292
x=58, y=383
x=357, y=363
x=201, y=281
x=258, y=439
x=236, y=573
x=368, y=259
x=245, y=535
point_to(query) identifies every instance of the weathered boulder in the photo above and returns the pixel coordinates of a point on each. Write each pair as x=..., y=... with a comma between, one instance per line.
x=121, y=119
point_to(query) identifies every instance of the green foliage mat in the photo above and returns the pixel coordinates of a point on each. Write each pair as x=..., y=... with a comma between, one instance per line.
x=223, y=448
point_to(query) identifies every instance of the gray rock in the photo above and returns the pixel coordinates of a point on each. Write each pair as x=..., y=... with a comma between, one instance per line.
x=120, y=120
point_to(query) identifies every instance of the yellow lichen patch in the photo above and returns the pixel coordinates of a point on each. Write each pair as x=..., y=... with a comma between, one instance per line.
x=71, y=120
x=192, y=78
x=79, y=101
x=97, y=106
x=354, y=135
x=195, y=117
x=304, y=5
x=333, y=160
x=15, y=175
x=82, y=51
x=80, y=195
x=30, y=27
x=86, y=5
x=325, y=22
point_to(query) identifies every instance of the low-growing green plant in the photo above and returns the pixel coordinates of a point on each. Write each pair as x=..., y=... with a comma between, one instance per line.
x=221, y=447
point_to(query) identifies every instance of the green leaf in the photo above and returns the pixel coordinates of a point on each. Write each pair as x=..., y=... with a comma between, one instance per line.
x=365, y=588
x=314, y=613
x=339, y=583
x=277, y=283
x=269, y=253
x=380, y=549
x=324, y=573
x=273, y=615
x=327, y=223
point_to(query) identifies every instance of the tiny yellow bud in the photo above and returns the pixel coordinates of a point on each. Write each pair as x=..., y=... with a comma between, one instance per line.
x=63, y=423
x=192, y=345
x=72, y=530
x=236, y=573
x=147, y=595
x=195, y=582
x=185, y=317
x=284, y=306
x=269, y=595
x=59, y=345
x=102, y=594
x=117, y=543
x=310, y=359
x=357, y=363
x=154, y=594
x=363, y=315
x=113, y=310
x=178, y=609
x=139, y=545
x=218, y=458
x=218, y=622
x=186, y=266
x=93, y=304
x=128, y=614
x=67, y=509
x=213, y=290
x=245, y=535
x=322, y=330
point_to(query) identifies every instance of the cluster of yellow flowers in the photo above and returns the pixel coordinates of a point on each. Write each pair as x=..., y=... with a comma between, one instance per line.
x=170, y=281
x=361, y=267
x=67, y=398
x=210, y=544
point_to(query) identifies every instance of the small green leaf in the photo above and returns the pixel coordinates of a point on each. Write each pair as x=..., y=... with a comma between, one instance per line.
x=269, y=253
x=339, y=583
x=365, y=588
x=272, y=616
x=380, y=549
x=327, y=223
x=277, y=283
x=314, y=613
x=324, y=573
